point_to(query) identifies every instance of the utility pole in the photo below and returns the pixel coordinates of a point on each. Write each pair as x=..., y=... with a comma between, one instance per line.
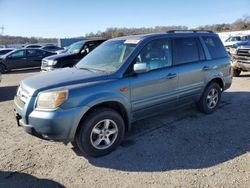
x=2, y=28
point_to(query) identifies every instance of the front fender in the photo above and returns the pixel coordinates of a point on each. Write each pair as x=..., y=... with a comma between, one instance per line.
x=99, y=98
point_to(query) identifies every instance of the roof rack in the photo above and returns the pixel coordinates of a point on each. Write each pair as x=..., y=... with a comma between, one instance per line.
x=189, y=31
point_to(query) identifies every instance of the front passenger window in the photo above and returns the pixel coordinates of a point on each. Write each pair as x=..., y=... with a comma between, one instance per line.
x=17, y=54
x=155, y=54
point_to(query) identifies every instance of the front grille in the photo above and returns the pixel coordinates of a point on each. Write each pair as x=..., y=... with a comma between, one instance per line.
x=19, y=102
x=44, y=63
x=22, y=96
x=244, y=52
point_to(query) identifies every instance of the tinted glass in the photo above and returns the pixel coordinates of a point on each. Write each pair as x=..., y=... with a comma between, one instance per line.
x=185, y=50
x=32, y=53
x=51, y=48
x=33, y=46
x=18, y=54
x=156, y=54
x=215, y=47
x=2, y=52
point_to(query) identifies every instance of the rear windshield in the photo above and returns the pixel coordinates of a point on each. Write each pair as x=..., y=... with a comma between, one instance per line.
x=215, y=47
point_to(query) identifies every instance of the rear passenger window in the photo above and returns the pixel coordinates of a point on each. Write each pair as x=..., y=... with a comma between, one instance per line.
x=185, y=50
x=215, y=47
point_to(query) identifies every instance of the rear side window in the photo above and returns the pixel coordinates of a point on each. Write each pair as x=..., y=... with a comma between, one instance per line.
x=215, y=47
x=185, y=50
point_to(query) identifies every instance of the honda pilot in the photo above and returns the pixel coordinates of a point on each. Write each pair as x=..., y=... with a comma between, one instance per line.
x=123, y=80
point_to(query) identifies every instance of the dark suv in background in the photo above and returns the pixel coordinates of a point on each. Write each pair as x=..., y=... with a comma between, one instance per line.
x=74, y=54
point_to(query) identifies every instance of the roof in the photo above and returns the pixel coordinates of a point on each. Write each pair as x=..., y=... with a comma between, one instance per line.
x=167, y=34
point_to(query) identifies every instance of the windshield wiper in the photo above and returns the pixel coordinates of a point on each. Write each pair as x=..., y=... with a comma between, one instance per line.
x=90, y=69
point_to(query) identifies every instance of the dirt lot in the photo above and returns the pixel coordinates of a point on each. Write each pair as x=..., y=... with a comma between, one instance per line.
x=180, y=149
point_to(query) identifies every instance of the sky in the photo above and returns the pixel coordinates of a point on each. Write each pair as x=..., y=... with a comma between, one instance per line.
x=72, y=18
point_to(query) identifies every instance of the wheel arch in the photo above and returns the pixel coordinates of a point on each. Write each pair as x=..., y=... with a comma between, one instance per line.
x=115, y=105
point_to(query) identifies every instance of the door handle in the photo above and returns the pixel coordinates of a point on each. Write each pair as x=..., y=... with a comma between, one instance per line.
x=206, y=68
x=171, y=75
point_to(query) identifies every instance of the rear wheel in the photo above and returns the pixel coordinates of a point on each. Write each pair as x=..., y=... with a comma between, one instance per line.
x=236, y=72
x=101, y=132
x=210, y=98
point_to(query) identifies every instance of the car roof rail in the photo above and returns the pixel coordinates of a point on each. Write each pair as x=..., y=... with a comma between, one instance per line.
x=189, y=31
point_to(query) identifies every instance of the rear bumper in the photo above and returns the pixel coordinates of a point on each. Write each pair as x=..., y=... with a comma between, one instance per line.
x=227, y=82
x=57, y=125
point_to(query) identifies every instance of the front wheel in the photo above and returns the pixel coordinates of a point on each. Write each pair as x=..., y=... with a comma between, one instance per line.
x=101, y=132
x=210, y=99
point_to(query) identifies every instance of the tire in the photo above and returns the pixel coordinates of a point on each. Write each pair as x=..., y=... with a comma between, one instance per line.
x=74, y=144
x=93, y=139
x=236, y=72
x=210, y=98
x=2, y=69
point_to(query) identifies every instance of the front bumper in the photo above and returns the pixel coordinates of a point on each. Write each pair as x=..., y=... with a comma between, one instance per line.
x=47, y=69
x=57, y=125
x=243, y=64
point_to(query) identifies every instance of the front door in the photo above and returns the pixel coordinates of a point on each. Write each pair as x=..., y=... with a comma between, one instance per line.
x=154, y=90
x=16, y=60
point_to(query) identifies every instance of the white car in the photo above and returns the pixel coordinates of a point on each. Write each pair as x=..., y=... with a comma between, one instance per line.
x=229, y=42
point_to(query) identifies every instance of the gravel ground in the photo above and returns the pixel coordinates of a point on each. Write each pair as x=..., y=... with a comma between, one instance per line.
x=175, y=149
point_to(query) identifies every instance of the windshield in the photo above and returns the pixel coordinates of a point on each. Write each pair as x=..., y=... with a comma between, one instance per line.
x=75, y=47
x=108, y=57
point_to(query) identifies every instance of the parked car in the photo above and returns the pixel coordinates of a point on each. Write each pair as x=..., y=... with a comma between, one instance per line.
x=63, y=50
x=240, y=53
x=125, y=79
x=33, y=46
x=5, y=51
x=51, y=48
x=22, y=58
x=74, y=54
x=229, y=42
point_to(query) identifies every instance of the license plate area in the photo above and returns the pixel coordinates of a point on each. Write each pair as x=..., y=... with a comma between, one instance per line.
x=18, y=118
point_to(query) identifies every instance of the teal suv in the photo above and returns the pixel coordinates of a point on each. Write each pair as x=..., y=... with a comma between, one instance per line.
x=124, y=79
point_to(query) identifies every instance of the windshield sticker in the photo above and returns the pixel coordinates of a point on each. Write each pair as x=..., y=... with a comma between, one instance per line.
x=132, y=41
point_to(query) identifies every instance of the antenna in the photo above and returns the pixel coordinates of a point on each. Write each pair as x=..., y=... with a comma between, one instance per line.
x=2, y=28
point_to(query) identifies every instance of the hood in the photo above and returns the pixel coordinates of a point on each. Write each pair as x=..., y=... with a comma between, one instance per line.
x=61, y=78
x=242, y=44
x=59, y=56
x=230, y=43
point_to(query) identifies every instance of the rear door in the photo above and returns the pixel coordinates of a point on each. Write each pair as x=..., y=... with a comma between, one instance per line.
x=189, y=58
x=34, y=57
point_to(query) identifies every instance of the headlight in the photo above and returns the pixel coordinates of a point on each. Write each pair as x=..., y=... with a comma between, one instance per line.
x=51, y=100
x=233, y=50
x=51, y=62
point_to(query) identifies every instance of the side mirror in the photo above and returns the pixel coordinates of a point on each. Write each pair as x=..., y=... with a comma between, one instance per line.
x=85, y=51
x=140, y=67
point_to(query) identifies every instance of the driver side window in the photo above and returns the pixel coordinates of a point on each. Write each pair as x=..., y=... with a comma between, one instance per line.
x=156, y=54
